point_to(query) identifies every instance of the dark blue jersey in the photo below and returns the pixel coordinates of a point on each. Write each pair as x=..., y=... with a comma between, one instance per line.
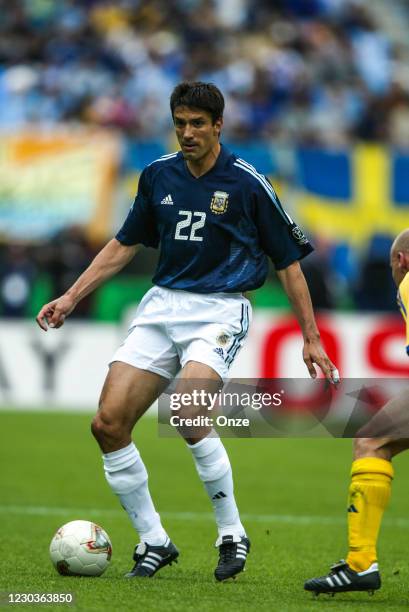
x=216, y=231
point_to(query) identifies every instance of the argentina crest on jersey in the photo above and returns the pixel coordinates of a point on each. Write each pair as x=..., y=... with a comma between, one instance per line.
x=219, y=202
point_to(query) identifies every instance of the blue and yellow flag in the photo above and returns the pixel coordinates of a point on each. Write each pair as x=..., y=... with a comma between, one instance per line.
x=352, y=195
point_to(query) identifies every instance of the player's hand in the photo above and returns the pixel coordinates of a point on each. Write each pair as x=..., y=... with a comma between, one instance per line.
x=313, y=353
x=54, y=313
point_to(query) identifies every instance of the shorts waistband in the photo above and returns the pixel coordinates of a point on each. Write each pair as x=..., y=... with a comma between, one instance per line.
x=202, y=295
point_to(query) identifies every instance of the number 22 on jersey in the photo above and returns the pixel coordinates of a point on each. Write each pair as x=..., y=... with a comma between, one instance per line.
x=186, y=222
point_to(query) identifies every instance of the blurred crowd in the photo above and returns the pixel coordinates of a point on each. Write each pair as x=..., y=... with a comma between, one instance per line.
x=314, y=72
x=309, y=71
x=31, y=275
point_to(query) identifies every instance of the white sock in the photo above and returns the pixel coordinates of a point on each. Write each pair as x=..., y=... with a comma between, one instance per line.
x=127, y=476
x=213, y=467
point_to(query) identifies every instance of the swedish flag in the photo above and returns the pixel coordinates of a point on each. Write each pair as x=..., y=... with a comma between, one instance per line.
x=350, y=196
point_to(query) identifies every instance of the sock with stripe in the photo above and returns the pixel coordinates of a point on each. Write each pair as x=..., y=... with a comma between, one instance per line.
x=369, y=494
x=213, y=467
x=127, y=476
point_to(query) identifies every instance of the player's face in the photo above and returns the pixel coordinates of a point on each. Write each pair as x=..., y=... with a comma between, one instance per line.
x=196, y=132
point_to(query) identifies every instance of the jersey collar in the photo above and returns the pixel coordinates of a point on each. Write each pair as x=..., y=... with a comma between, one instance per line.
x=221, y=161
x=224, y=155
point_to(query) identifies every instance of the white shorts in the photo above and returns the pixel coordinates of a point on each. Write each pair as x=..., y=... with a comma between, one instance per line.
x=173, y=327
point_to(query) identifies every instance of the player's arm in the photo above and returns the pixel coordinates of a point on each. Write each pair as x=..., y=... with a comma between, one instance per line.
x=138, y=229
x=109, y=261
x=296, y=288
x=284, y=242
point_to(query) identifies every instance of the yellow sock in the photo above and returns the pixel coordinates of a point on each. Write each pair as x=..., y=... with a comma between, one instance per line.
x=369, y=494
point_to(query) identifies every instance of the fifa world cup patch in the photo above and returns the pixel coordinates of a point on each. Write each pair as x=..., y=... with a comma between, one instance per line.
x=299, y=235
x=219, y=202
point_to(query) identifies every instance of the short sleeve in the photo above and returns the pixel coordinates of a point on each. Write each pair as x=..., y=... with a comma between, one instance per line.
x=280, y=237
x=139, y=226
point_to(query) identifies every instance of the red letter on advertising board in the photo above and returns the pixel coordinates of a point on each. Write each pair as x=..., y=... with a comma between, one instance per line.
x=285, y=330
x=272, y=355
x=391, y=328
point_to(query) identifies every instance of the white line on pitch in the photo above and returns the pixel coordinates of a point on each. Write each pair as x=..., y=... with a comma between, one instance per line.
x=191, y=516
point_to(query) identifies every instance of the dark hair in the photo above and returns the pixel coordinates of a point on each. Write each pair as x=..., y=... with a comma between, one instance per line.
x=205, y=96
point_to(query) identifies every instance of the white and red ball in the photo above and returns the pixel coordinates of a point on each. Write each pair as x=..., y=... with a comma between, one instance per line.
x=80, y=548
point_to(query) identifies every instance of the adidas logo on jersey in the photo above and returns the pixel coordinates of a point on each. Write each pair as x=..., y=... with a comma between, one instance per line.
x=167, y=199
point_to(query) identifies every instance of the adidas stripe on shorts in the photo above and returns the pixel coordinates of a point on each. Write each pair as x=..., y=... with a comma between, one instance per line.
x=173, y=327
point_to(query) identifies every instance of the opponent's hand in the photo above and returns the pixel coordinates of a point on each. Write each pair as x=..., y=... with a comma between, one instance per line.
x=313, y=353
x=54, y=313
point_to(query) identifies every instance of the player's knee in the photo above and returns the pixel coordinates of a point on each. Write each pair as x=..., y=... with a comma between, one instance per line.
x=365, y=447
x=106, y=428
x=98, y=427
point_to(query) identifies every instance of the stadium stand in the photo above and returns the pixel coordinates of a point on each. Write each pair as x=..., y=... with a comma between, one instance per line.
x=305, y=83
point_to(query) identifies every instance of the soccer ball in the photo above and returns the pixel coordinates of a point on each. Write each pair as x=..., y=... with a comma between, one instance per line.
x=80, y=548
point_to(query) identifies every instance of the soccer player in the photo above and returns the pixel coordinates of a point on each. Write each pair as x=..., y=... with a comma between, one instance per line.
x=372, y=471
x=216, y=220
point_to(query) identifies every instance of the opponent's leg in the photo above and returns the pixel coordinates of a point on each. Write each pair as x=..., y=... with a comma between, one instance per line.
x=371, y=479
x=369, y=493
x=127, y=394
x=214, y=469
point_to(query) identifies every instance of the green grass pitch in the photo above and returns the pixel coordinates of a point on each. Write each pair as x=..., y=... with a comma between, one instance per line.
x=292, y=496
